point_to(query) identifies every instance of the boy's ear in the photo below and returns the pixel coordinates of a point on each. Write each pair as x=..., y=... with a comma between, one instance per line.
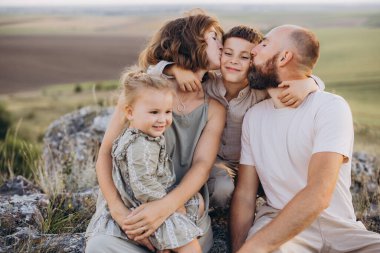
x=284, y=58
x=128, y=110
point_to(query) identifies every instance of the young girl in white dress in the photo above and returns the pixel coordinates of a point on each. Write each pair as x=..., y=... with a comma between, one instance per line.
x=142, y=171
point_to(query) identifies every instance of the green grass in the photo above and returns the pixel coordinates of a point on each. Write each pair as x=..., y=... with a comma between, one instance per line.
x=350, y=66
x=349, y=55
x=40, y=108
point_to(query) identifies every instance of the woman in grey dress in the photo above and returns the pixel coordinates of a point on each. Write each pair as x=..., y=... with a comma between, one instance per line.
x=192, y=143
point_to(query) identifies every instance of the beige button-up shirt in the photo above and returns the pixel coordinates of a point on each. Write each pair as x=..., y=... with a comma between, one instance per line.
x=230, y=145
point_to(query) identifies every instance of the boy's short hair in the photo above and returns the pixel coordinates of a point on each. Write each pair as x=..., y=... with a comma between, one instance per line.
x=244, y=32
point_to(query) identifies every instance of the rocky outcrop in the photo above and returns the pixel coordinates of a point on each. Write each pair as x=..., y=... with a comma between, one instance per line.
x=71, y=144
x=32, y=221
x=365, y=189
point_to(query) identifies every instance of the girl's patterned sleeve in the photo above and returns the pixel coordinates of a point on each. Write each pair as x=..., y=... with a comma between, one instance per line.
x=142, y=165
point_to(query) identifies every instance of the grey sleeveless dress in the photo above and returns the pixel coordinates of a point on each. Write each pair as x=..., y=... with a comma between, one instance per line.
x=181, y=140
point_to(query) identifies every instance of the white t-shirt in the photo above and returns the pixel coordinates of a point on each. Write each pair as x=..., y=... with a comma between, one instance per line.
x=280, y=143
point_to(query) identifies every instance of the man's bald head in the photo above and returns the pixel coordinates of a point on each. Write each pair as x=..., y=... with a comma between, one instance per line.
x=303, y=42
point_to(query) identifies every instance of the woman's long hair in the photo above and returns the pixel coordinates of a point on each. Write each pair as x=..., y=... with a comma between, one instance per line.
x=181, y=41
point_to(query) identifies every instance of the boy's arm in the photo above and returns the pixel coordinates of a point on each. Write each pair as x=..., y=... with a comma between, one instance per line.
x=161, y=68
x=297, y=90
x=185, y=78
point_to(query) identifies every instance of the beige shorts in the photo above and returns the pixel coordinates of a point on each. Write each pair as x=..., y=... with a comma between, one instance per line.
x=326, y=235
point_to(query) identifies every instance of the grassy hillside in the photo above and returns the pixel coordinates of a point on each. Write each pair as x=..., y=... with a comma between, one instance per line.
x=350, y=66
x=349, y=62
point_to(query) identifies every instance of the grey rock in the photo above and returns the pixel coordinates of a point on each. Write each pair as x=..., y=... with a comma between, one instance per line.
x=20, y=186
x=22, y=211
x=71, y=145
x=24, y=218
x=28, y=240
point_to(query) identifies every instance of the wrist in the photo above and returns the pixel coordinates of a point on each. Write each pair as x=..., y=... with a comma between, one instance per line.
x=170, y=204
x=119, y=212
x=170, y=70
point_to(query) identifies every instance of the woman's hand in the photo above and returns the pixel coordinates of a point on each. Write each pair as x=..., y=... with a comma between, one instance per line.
x=144, y=220
x=296, y=91
x=186, y=79
x=182, y=210
x=120, y=214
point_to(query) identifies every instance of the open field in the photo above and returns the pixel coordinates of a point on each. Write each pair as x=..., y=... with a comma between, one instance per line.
x=29, y=62
x=78, y=49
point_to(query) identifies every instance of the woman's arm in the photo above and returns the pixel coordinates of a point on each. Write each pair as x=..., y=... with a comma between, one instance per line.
x=204, y=156
x=152, y=215
x=104, y=166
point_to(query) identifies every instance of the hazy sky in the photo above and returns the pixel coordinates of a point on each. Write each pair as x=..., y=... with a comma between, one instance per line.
x=109, y=2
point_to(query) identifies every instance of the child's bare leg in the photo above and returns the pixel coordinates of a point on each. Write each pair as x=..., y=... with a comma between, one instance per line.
x=191, y=247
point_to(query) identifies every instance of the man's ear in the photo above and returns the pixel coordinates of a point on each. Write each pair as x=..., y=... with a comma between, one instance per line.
x=284, y=58
x=128, y=110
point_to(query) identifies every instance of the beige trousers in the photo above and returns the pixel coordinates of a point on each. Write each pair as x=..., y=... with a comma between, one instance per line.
x=325, y=235
x=221, y=183
x=102, y=243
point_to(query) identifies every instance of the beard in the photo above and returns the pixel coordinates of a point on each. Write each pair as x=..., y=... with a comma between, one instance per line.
x=260, y=80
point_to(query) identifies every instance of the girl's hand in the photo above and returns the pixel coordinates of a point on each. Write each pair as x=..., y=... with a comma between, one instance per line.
x=186, y=79
x=296, y=91
x=144, y=220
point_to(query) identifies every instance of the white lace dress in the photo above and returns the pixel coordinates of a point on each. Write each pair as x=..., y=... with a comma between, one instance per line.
x=142, y=173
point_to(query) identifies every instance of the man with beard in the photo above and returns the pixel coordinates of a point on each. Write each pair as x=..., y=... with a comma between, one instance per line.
x=302, y=157
x=231, y=89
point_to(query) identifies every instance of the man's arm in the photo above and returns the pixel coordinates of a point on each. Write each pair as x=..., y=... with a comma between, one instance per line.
x=312, y=200
x=243, y=205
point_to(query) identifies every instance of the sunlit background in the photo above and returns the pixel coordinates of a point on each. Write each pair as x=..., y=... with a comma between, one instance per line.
x=58, y=56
